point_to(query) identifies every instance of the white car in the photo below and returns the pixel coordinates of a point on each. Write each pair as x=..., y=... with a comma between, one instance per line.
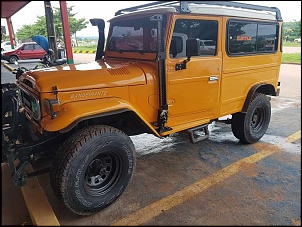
x=5, y=46
x=298, y=40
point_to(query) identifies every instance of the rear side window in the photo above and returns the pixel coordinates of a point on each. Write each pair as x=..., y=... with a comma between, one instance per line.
x=38, y=47
x=252, y=37
x=28, y=47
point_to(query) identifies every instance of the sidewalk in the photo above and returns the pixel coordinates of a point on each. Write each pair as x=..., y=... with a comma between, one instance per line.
x=14, y=210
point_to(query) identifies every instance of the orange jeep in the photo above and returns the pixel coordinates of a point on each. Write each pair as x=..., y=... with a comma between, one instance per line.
x=167, y=67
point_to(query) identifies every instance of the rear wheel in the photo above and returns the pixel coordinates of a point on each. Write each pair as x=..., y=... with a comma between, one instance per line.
x=92, y=169
x=250, y=127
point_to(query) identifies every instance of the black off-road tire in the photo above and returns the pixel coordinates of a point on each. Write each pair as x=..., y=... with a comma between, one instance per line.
x=92, y=168
x=250, y=127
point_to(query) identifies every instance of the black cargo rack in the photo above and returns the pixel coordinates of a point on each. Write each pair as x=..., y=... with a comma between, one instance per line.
x=183, y=6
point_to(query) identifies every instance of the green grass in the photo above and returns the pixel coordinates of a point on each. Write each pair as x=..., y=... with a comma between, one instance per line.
x=292, y=44
x=93, y=48
x=291, y=58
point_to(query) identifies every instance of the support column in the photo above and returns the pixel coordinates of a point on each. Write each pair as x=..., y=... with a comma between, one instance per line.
x=66, y=32
x=51, y=30
x=11, y=32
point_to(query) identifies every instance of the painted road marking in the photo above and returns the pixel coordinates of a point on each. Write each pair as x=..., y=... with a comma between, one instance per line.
x=40, y=210
x=7, y=66
x=84, y=52
x=145, y=214
x=292, y=138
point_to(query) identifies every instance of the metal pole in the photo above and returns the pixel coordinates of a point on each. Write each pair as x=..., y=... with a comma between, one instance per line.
x=66, y=32
x=11, y=32
x=51, y=30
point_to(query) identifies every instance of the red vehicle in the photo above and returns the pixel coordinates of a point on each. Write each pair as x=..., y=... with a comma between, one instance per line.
x=30, y=50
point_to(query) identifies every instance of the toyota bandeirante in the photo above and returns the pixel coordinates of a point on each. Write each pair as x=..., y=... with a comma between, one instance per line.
x=168, y=67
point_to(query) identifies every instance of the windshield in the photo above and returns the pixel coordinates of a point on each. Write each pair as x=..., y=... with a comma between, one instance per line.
x=136, y=35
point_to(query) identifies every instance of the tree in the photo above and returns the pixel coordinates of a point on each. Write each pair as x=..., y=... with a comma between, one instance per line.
x=77, y=25
x=292, y=30
x=26, y=32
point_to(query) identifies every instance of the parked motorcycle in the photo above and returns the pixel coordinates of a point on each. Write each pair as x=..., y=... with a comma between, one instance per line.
x=46, y=61
x=20, y=70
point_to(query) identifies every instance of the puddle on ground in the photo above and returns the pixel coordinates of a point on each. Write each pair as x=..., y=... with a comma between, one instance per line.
x=148, y=143
x=219, y=132
x=281, y=103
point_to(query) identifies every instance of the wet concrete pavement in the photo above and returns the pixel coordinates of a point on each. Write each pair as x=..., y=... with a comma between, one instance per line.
x=163, y=190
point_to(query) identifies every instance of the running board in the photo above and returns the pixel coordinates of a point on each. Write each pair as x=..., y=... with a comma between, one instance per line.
x=199, y=133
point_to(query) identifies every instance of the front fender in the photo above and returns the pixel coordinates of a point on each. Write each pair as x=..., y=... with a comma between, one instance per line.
x=73, y=112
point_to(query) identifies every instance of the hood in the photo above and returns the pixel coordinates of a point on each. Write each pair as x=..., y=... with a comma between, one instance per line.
x=84, y=76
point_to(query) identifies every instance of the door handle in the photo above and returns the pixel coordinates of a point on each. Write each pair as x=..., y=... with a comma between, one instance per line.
x=213, y=78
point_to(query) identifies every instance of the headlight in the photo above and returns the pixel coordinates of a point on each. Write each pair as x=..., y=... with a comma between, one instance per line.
x=35, y=108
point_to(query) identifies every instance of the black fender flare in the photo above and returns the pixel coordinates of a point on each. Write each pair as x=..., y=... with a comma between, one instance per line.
x=267, y=89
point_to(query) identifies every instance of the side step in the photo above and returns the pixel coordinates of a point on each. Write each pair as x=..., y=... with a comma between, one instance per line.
x=199, y=133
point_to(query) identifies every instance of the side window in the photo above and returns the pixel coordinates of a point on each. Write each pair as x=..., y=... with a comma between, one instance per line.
x=28, y=47
x=242, y=37
x=38, y=47
x=252, y=37
x=266, y=38
x=205, y=30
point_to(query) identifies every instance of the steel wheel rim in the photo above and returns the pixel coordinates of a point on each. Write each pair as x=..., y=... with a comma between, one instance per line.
x=102, y=173
x=13, y=59
x=258, y=118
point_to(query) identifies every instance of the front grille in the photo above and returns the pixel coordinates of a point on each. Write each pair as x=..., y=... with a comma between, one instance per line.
x=31, y=105
x=28, y=83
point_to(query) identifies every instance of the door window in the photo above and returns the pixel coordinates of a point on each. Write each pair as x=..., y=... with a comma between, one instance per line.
x=205, y=30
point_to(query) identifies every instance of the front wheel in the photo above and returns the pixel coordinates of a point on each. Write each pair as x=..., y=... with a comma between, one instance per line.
x=93, y=168
x=250, y=127
x=12, y=59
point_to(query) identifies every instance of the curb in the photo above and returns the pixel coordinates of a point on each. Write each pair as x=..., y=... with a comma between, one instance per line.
x=7, y=66
x=84, y=52
x=291, y=63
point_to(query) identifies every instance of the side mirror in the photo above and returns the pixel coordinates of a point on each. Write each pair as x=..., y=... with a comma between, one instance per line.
x=193, y=47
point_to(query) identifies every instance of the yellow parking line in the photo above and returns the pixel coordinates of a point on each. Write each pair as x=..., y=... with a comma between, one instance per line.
x=292, y=138
x=145, y=214
x=40, y=210
x=7, y=66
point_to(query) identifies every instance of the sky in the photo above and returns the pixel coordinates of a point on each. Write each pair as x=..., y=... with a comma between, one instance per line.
x=290, y=10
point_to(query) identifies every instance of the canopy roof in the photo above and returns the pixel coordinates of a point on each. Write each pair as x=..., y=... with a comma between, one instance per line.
x=9, y=8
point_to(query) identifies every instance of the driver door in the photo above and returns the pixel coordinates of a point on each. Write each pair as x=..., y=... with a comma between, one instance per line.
x=193, y=92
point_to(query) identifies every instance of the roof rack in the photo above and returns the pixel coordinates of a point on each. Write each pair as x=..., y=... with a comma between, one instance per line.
x=183, y=6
